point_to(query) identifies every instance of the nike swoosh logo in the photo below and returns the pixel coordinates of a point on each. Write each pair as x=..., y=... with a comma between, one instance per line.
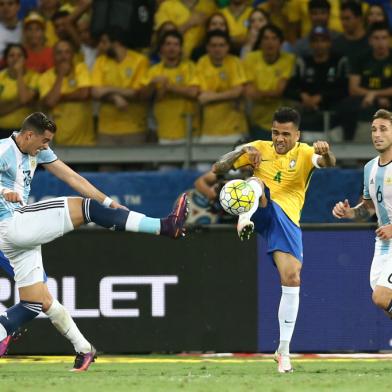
x=289, y=322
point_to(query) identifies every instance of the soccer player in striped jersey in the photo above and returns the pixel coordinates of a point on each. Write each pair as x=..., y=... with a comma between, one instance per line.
x=24, y=228
x=377, y=198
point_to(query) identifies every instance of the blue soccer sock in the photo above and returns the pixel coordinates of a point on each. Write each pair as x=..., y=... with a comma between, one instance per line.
x=119, y=219
x=18, y=315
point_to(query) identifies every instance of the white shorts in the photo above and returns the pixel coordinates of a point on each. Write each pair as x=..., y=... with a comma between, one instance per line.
x=381, y=271
x=21, y=236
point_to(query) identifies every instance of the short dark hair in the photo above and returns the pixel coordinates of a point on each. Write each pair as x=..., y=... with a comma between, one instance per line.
x=383, y=114
x=170, y=33
x=11, y=46
x=380, y=26
x=268, y=27
x=354, y=6
x=286, y=114
x=319, y=5
x=59, y=15
x=218, y=33
x=39, y=123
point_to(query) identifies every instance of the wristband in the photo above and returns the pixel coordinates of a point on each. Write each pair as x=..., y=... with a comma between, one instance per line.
x=107, y=202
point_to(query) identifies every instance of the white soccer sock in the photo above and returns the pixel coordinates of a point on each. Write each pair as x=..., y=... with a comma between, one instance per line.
x=288, y=310
x=62, y=320
x=258, y=190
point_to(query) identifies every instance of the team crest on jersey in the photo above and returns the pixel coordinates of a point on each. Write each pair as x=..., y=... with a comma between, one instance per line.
x=223, y=75
x=128, y=72
x=33, y=162
x=179, y=79
x=292, y=164
x=72, y=83
x=388, y=181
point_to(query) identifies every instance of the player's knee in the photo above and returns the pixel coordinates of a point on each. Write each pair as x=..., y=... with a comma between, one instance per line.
x=381, y=300
x=291, y=279
x=47, y=302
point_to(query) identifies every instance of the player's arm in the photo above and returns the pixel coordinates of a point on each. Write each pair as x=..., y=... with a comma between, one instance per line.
x=206, y=184
x=225, y=163
x=78, y=183
x=326, y=158
x=361, y=212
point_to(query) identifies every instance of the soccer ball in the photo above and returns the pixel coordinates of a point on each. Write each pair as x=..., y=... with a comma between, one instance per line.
x=237, y=197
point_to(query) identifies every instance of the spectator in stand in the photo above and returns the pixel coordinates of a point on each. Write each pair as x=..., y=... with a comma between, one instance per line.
x=65, y=29
x=370, y=80
x=116, y=81
x=279, y=13
x=217, y=21
x=173, y=86
x=65, y=91
x=88, y=44
x=47, y=8
x=164, y=27
x=237, y=15
x=18, y=89
x=39, y=56
x=10, y=26
x=353, y=41
x=319, y=82
x=375, y=14
x=319, y=13
x=189, y=17
x=267, y=70
x=222, y=79
x=257, y=20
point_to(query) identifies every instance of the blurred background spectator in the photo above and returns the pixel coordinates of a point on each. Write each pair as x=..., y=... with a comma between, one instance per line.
x=39, y=56
x=173, y=86
x=267, y=70
x=375, y=14
x=116, y=82
x=18, y=89
x=10, y=26
x=154, y=52
x=222, y=79
x=65, y=92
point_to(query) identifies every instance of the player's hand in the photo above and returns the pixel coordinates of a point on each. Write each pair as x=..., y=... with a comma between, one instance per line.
x=368, y=99
x=253, y=155
x=321, y=147
x=343, y=210
x=120, y=102
x=13, y=197
x=206, y=97
x=384, y=232
x=114, y=204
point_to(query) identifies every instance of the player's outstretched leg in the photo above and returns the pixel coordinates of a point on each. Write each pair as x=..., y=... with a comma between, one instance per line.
x=245, y=226
x=84, y=360
x=124, y=220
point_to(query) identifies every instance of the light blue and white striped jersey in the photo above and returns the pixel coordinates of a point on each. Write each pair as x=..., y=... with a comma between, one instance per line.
x=17, y=171
x=378, y=188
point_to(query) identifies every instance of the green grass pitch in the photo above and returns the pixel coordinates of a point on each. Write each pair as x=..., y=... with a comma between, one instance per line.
x=173, y=373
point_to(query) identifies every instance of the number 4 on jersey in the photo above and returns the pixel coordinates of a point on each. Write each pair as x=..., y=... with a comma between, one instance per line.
x=278, y=176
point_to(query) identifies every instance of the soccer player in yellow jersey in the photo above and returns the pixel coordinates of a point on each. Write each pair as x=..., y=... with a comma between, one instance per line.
x=267, y=70
x=222, y=79
x=116, y=81
x=174, y=86
x=65, y=91
x=282, y=170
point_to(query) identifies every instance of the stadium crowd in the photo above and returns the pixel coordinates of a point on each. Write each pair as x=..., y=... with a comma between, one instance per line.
x=218, y=69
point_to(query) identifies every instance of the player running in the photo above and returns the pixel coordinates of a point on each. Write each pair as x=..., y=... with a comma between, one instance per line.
x=377, y=198
x=282, y=170
x=24, y=228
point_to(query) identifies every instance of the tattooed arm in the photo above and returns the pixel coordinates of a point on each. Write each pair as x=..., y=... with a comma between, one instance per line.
x=225, y=162
x=362, y=212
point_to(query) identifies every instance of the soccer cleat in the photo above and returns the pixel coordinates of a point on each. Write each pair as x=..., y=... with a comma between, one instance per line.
x=83, y=361
x=245, y=227
x=173, y=225
x=284, y=363
x=4, y=345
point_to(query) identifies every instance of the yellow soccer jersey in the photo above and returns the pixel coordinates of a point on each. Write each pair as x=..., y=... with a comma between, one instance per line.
x=9, y=92
x=287, y=176
x=238, y=27
x=227, y=117
x=74, y=119
x=175, y=11
x=266, y=77
x=126, y=74
x=170, y=111
x=277, y=19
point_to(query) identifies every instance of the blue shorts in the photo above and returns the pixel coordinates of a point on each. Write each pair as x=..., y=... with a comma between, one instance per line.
x=280, y=232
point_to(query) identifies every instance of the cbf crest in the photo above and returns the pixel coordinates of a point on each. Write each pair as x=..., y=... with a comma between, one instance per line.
x=292, y=164
x=128, y=72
